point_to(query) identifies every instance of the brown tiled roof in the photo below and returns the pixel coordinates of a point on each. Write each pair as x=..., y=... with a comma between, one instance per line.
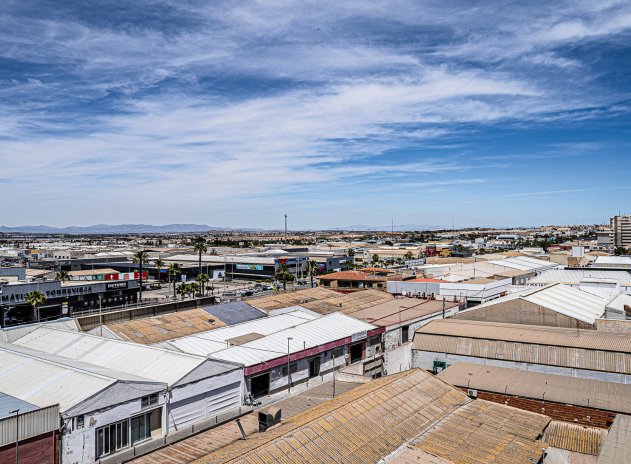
x=352, y=275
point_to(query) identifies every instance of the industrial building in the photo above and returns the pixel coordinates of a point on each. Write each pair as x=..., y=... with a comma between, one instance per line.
x=28, y=433
x=95, y=404
x=354, y=280
x=469, y=292
x=187, y=390
x=555, y=305
x=590, y=280
x=587, y=402
x=286, y=349
x=613, y=262
x=587, y=354
x=388, y=419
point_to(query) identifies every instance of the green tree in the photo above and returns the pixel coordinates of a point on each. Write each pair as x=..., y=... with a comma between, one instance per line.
x=141, y=258
x=200, y=246
x=202, y=279
x=409, y=255
x=283, y=274
x=351, y=252
x=35, y=299
x=183, y=289
x=312, y=267
x=62, y=275
x=375, y=258
x=159, y=264
x=194, y=289
x=174, y=270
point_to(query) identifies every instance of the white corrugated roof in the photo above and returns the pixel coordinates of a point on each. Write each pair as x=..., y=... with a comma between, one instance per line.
x=560, y=298
x=619, y=260
x=575, y=276
x=525, y=264
x=308, y=334
x=210, y=341
x=146, y=361
x=47, y=380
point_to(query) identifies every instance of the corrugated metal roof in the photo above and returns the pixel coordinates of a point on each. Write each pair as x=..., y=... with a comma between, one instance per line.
x=568, y=301
x=155, y=329
x=234, y=312
x=374, y=420
x=306, y=331
x=617, y=447
x=401, y=309
x=360, y=426
x=536, y=335
x=613, y=260
x=209, y=342
x=525, y=264
x=575, y=276
x=575, y=437
x=146, y=361
x=482, y=432
x=615, y=397
x=45, y=380
x=10, y=403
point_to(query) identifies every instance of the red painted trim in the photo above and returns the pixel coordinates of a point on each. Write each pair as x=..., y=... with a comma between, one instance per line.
x=262, y=367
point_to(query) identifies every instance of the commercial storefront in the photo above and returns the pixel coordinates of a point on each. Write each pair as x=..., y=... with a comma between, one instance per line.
x=63, y=299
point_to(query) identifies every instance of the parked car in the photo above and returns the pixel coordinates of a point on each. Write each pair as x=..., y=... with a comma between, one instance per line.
x=230, y=293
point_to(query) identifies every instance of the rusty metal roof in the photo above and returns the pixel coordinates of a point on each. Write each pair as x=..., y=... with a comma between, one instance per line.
x=610, y=396
x=378, y=418
x=483, y=432
x=537, y=335
x=575, y=437
x=157, y=329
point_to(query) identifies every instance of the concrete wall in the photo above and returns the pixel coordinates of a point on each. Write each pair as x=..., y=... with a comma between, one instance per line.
x=425, y=360
x=518, y=311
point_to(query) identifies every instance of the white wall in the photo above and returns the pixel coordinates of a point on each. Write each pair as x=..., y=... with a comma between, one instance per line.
x=475, y=292
x=78, y=445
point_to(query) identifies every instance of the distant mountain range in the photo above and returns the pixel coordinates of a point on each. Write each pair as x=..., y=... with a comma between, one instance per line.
x=183, y=228
x=111, y=229
x=397, y=228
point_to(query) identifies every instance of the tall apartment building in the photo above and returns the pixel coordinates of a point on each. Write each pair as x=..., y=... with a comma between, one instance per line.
x=621, y=230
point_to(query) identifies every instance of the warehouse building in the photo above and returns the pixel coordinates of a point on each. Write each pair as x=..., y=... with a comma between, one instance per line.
x=286, y=349
x=585, y=279
x=103, y=411
x=199, y=389
x=582, y=401
x=28, y=429
x=555, y=305
x=587, y=354
x=402, y=418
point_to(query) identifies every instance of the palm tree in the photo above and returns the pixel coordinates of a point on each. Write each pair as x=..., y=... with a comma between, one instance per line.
x=283, y=274
x=141, y=258
x=202, y=279
x=35, y=299
x=183, y=289
x=159, y=264
x=193, y=288
x=312, y=267
x=199, y=245
x=173, y=270
x=62, y=275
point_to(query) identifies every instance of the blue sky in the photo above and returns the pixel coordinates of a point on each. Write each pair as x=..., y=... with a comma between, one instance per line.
x=337, y=113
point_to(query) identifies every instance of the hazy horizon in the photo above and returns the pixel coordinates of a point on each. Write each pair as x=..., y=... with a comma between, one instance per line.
x=231, y=114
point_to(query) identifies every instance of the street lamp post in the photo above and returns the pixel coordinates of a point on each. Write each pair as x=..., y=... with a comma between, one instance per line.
x=17, y=432
x=288, y=367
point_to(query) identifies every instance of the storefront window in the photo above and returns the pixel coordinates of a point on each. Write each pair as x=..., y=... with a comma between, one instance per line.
x=112, y=438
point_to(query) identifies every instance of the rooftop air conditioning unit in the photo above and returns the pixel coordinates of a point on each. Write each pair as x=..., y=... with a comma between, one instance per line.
x=472, y=393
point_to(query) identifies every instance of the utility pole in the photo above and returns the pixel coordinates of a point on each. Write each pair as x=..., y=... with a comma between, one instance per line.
x=288, y=367
x=17, y=432
x=285, y=229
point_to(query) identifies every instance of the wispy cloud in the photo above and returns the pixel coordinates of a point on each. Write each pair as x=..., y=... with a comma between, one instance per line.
x=219, y=104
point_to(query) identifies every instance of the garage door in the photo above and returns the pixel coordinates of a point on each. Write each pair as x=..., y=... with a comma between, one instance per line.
x=203, y=406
